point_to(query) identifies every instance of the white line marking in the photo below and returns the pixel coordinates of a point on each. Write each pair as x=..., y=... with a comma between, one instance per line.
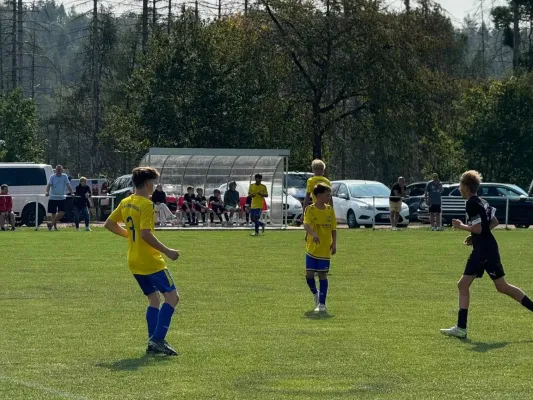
x=38, y=386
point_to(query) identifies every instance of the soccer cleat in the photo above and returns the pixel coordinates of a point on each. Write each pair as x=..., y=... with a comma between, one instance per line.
x=317, y=302
x=150, y=349
x=321, y=308
x=160, y=347
x=49, y=227
x=255, y=234
x=455, y=332
x=88, y=229
x=13, y=228
x=55, y=228
x=439, y=229
x=433, y=229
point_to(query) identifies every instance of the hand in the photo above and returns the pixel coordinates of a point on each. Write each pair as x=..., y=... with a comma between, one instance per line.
x=316, y=239
x=457, y=223
x=468, y=241
x=333, y=248
x=172, y=254
x=47, y=194
x=87, y=195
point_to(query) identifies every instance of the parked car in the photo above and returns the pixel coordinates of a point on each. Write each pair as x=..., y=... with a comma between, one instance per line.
x=27, y=179
x=294, y=206
x=296, y=184
x=415, y=196
x=357, y=203
x=520, y=206
x=121, y=188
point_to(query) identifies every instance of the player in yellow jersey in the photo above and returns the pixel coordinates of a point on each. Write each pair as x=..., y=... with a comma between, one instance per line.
x=258, y=192
x=321, y=227
x=144, y=257
x=319, y=168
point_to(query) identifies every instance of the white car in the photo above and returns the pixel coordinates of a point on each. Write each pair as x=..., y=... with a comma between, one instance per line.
x=294, y=207
x=357, y=203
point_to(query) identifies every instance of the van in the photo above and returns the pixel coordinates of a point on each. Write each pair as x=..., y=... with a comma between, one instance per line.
x=25, y=180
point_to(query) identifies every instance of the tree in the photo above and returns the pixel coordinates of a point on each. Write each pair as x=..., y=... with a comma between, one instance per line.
x=18, y=128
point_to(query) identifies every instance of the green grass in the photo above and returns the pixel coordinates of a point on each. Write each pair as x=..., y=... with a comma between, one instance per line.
x=72, y=320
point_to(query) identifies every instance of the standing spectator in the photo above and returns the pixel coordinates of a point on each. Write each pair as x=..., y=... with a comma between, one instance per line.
x=188, y=206
x=397, y=193
x=201, y=204
x=258, y=192
x=56, y=190
x=6, y=208
x=433, y=197
x=82, y=203
x=319, y=168
x=232, y=200
x=217, y=207
x=159, y=198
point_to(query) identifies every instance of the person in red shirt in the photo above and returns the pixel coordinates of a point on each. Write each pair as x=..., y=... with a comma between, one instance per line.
x=6, y=208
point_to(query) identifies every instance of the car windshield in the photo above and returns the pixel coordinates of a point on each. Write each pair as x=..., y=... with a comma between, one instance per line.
x=521, y=191
x=369, y=190
x=297, y=180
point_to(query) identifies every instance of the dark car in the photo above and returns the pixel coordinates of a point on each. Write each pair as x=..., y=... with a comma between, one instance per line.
x=496, y=194
x=121, y=188
x=415, y=195
x=296, y=184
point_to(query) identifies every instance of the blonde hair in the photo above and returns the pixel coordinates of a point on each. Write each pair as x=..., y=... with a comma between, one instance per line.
x=83, y=179
x=318, y=165
x=471, y=179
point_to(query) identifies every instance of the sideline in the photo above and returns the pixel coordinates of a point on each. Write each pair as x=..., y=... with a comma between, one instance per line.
x=42, y=388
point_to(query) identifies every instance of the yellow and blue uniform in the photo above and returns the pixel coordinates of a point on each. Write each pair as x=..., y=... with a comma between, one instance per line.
x=145, y=262
x=323, y=223
x=257, y=201
x=313, y=181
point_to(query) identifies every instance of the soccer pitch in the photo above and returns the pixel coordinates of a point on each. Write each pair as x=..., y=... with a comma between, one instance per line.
x=73, y=325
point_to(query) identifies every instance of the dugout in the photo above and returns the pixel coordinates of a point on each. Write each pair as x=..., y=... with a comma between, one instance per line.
x=213, y=169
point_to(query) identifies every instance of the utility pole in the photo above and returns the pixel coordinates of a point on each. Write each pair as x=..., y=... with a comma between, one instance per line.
x=196, y=10
x=20, y=39
x=32, y=72
x=169, y=23
x=14, y=47
x=483, y=65
x=245, y=7
x=516, y=35
x=1, y=62
x=154, y=14
x=219, y=9
x=95, y=89
x=144, y=25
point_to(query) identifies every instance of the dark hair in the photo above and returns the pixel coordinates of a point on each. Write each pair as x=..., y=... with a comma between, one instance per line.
x=189, y=188
x=197, y=189
x=4, y=186
x=258, y=176
x=140, y=175
x=216, y=191
x=321, y=188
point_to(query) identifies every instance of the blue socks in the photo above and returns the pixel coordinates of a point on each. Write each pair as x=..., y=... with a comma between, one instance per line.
x=152, y=315
x=258, y=223
x=323, y=291
x=163, y=322
x=312, y=284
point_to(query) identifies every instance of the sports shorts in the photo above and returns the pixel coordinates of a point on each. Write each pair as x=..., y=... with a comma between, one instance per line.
x=477, y=266
x=435, y=208
x=56, y=206
x=255, y=213
x=395, y=206
x=160, y=281
x=316, y=264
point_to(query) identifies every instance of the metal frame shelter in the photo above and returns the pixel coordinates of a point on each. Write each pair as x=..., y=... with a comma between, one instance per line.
x=212, y=169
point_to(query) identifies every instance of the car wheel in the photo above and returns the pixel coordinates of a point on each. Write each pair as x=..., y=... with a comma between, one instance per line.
x=368, y=226
x=352, y=220
x=28, y=215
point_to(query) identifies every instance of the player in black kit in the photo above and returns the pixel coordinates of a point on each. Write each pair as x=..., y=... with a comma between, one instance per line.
x=485, y=254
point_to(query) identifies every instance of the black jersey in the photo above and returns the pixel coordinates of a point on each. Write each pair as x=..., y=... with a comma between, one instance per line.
x=480, y=212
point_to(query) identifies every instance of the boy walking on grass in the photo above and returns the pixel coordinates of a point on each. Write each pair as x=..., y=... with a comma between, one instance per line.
x=258, y=192
x=144, y=257
x=320, y=225
x=485, y=253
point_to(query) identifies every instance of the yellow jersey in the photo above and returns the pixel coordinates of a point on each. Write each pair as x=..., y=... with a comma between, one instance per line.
x=313, y=181
x=257, y=201
x=323, y=223
x=137, y=213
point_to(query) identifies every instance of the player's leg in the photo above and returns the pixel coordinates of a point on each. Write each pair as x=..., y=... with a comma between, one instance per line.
x=512, y=291
x=77, y=217
x=464, y=302
x=52, y=209
x=87, y=217
x=2, y=221
x=163, y=282
x=310, y=269
x=12, y=220
x=60, y=212
x=324, y=284
x=152, y=311
x=432, y=220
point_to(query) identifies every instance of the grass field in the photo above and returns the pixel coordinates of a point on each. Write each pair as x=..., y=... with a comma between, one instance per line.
x=72, y=320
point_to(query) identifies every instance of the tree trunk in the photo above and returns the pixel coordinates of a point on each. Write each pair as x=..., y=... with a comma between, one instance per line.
x=144, y=25
x=154, y=14
x=516, y=35
x=20, y=39
x=1, y=62
x=32, y=71
x=95, y=88
x=14, y=47
x=169, y=23
x=317, y=134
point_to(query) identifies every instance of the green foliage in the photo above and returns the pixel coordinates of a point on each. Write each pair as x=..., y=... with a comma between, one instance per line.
x=18, y=129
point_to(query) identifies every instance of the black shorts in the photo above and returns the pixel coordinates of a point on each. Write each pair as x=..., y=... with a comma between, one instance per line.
x=200, y=207
x=435, y=208
x=186, y=206
x=477, y=266
x=56, y=206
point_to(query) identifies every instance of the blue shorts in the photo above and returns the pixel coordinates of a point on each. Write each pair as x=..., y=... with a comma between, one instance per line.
x=255, y=213
x=316, y=264
x=161, y=281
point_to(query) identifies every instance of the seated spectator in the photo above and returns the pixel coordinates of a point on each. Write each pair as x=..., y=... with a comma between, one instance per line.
x=82, y=203
x=201, y=203
x=231, y=201
x=6, y=208
x=247, y=207
x=189, y=201
x=159, y=198
x=217, y=207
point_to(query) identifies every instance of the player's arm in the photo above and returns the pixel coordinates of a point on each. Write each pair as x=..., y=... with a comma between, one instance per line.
x=308, y=229
x=264, y=194
x=494, y=223
x=112, y=222
x=154, y=242
x=307, y=200
x=48, y=189
x=69, y=187
x=474, y=216
x=333, y=242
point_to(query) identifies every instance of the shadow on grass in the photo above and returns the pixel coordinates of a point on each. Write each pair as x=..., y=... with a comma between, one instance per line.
x=483, y=347
x=318, y=315
x=133, y=364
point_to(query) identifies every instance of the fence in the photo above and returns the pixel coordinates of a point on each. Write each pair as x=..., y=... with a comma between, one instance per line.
x=36, y=197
